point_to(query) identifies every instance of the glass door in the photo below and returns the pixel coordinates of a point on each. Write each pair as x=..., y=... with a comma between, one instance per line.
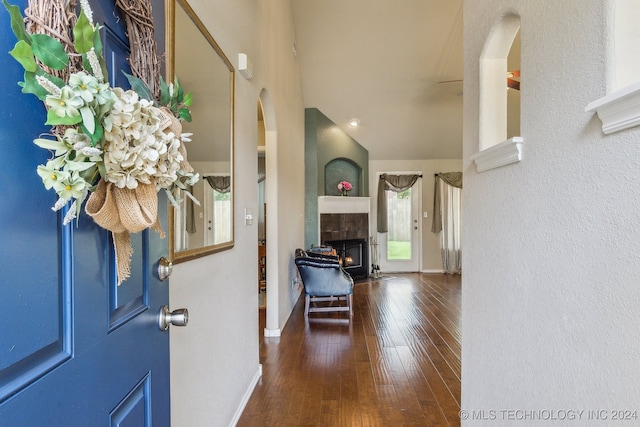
x=400, y=246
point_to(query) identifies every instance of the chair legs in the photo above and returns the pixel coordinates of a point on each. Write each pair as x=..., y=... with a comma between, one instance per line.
x=309, y=309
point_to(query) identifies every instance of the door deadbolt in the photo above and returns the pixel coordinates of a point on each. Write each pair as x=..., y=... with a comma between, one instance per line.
x=179, y=317
x=165, y=267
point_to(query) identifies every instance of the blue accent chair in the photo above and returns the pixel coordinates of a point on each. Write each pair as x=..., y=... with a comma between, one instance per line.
x=324, y=280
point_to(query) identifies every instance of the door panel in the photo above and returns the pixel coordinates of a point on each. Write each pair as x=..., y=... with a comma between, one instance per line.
x=36, y=331
x=132, y=296
x=75, y=349
x=134, y=409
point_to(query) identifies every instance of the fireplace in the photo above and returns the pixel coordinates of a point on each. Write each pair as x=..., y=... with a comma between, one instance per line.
x=353, y=256
x=344, y=224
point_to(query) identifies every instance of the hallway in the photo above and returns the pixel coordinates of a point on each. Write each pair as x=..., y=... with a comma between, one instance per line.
x=397, y=363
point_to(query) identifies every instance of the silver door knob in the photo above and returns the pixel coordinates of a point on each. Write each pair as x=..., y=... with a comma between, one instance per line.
x=179, y=317
x=165, y=267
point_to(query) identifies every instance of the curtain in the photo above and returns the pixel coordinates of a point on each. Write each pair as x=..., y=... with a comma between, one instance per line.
x=447, y=219
x=451, y=178
x=222, y=183
x=395, y=183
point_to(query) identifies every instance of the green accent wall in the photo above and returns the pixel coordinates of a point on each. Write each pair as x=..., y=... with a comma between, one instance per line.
x=326, y=143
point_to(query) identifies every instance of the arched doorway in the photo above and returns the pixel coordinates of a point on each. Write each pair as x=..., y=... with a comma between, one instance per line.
x=269, y=136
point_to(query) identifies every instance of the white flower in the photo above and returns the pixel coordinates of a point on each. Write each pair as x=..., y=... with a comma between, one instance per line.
x=91, y=151
x=48, y=86
x=59, y=204
x=136, y=149
x=95, y=65
x=84, y=85
x=84, y=4
x=70, y=216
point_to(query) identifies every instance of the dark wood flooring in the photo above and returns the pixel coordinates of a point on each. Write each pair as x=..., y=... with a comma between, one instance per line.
x=396, y=363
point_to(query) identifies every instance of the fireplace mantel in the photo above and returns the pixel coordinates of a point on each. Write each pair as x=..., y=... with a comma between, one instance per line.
x=343, y=204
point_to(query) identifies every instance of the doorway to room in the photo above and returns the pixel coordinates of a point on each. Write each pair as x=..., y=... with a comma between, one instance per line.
x=262, y=226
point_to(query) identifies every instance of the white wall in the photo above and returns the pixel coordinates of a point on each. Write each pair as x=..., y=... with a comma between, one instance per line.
x=431, y=259
x=214, y=360
x=551, y=245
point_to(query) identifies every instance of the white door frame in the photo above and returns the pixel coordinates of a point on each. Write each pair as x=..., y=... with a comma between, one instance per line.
x=415, y=264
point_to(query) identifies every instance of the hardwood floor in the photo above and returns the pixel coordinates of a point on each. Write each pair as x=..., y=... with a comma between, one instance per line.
x=396, y=363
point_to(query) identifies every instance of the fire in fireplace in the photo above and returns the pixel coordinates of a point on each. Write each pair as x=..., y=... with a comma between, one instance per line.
x=353, y=255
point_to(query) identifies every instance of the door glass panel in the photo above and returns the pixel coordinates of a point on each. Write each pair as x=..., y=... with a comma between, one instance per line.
x=399, y=221
x=218, y=216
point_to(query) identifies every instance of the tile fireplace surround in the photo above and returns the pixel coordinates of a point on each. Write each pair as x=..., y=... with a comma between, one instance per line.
x=343, y=217
x=344, y=224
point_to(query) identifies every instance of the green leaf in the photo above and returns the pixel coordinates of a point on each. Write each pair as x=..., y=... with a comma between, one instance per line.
x=83, y=34
x=178, y=91
x=17, y=22
x=140, y=87
x=23, y=53
x=97, y=41
x=53, y=119
x=164, y=92
x=96, y=135
x=102, y=169
x=31, y=85
x=184, y=114
x=50, y=51
x=97, y=46
x=188, y=99
x=88, y=120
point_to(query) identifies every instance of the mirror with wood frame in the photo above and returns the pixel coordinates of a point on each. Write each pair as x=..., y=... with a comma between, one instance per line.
x=203, y=69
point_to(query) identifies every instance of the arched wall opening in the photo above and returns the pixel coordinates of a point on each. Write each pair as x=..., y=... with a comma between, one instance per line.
x=494, y=61
x=272, y=327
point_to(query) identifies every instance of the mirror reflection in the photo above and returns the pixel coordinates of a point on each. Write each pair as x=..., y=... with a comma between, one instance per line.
x=200, y=229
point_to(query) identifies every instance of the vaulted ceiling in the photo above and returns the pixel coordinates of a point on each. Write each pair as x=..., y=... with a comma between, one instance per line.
x=396, y=66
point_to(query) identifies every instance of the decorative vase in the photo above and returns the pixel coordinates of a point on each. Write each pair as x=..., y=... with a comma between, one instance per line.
x=344, y=192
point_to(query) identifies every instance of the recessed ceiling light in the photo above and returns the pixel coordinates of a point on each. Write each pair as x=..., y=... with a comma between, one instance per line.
x=354, y=123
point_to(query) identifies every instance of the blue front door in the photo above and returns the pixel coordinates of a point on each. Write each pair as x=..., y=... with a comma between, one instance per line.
x=75, y=349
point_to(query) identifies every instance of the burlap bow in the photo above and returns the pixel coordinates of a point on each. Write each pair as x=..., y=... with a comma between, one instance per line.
x=123, y=211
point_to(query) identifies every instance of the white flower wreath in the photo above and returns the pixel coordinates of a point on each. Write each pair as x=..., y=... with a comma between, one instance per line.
x=103, y=138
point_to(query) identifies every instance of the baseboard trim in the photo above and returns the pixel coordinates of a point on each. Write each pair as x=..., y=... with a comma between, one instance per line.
x=246, y=397
x=433, y=271
x=271, y=332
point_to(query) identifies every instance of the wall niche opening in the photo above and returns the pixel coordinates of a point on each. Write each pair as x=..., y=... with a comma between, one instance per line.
x=338, y=170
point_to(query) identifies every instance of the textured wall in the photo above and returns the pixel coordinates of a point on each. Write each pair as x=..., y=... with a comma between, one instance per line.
x=551, y=245
x=215, y=359
x=326, y=142
x=333, y=143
